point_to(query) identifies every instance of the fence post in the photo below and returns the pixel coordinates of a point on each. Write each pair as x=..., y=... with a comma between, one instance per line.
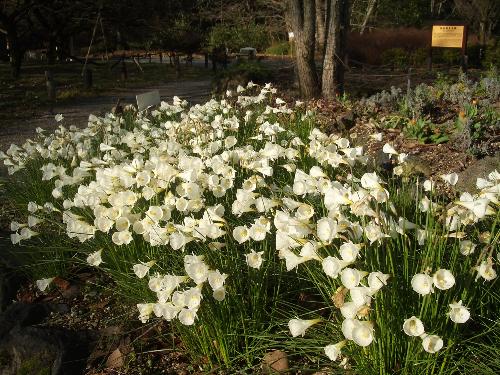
x=408, y=86
x=51, y=89
x=87, y=78
x=124, y=73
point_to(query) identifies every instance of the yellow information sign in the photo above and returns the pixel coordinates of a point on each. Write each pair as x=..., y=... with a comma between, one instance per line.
x=448, y=36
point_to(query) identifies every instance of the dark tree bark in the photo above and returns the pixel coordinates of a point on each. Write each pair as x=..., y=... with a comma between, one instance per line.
x=335, y=52
x=320, y=26
x=302, y=15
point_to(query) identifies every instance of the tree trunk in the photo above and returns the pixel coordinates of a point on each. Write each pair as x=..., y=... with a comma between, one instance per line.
x=320, y=26
x=16, y=62
x=335, y=52
x=51, y=51
x=482, y=33
x=369, y=11
x=303, y=20
x=16, y=53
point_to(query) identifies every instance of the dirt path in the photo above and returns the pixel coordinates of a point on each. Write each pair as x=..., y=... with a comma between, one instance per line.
x=77, y=112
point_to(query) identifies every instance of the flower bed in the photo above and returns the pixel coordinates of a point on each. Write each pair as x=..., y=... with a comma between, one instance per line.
x=249, y=229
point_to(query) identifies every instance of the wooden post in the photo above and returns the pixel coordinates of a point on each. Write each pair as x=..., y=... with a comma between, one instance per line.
x=206, y=60
x=177, y=66
x=214, y=59
x=124, y=73
x=408, y=85
x=51, y=89
x=429, y=59
x=161, y=57
x=464, y=50
x=87, y=79
x=429, y=53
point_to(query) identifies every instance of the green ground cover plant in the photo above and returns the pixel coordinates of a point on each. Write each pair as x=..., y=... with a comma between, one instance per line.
x=446, y=110
x=249, y=229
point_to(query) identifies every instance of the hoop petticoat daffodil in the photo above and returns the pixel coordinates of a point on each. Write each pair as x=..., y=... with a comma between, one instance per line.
x=298, y=327
x=141, y=269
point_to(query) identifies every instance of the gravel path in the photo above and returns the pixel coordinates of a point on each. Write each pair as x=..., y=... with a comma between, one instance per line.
x=77, y=113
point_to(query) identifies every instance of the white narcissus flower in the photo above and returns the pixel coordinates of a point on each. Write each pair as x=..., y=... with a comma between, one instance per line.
x=177, y=240
x=332, y=351
x=141, y=269
x=219, y=294
x=257, y=232
x=254, y=259
x=432, y=343
x=32, y=221
x=398, y=170
x=326, y=229
x=95, y=258
x=193, y=297
x=371, y=181
x=349, y=251
x=443, y=279
x=388, y=149
x=458, y=313
x=376, y=136
x=332, y=266
x=197, y=271
x=428, y=185
x=298, y=327
x=362, y=334
x=230, y=141
x=43, y=284
x=413, y=326
x=104, y=147
x=241, y=234
x=216, y=279
x=479, y=207
x=377, y=280
x=361, y=295
x=145, y=311
x=349, y=310
x=422, y=284
x=59, y=117
x=467, y=247
x=451, y=178
x=350, y=277
x=187, y=316
x=486, y=270
x=122, y=224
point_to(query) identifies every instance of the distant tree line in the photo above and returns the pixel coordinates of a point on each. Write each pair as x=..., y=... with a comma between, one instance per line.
x=62, y=27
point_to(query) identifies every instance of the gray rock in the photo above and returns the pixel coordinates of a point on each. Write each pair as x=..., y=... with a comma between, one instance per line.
x=275, y=362
x=479, y=168
x=28, y=349
x=9, y=284
x=41, y=350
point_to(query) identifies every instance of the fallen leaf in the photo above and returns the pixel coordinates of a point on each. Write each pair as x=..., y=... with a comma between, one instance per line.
x=61, y=283
x=115, y=359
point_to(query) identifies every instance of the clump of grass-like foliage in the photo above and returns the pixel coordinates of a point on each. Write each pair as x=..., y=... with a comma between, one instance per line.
x=249, y=229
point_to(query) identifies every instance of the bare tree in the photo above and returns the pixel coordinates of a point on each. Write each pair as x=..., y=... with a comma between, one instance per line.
x=16, y=24
x=335, y=52
x=302, y=14
x=303, y=18
x=320, y=25
x=369, y=11
x=481, y=14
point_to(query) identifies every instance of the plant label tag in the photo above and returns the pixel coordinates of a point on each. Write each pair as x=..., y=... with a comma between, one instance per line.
x=147, y=100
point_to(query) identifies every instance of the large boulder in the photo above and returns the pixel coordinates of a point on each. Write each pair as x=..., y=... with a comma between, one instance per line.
x=28, y=349
x=479, y=168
